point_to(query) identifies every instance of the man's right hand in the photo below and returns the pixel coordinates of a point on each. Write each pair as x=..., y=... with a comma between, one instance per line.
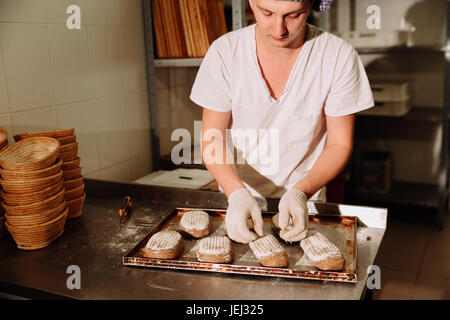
x=241, y=206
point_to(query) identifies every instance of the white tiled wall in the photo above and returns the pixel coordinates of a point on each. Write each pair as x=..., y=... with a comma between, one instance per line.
x=92, y=79
x=175, y=109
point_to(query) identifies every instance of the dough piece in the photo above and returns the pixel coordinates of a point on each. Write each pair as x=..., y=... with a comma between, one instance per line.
x=195, y=223
x=322, y=252
x=164, y=245
x=276, y=227
x=269, y=252
x=216, y=249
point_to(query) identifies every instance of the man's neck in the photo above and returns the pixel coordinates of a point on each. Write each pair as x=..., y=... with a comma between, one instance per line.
x=292, y=48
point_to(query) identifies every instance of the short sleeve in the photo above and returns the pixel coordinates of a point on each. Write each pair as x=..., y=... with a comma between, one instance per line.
x=211, y=89
x=350, y=90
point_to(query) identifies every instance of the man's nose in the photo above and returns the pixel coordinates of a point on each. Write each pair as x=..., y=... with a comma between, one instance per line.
x=280, y=27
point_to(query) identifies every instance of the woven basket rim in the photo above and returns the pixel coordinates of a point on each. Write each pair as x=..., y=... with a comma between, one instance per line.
x=74, y=201
x=58, y=162
x=68, y=172
x=31, y=194
x=62, y=206
x=68, y=146
x=50, y=133
x=28, y=140
x=24, y=181
x=74, y=189
x=50, y=222
x=73, y=180
x=31, y=205
x=70, y=161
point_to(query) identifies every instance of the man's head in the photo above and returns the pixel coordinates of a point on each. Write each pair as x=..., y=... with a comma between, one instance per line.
x=281, y=22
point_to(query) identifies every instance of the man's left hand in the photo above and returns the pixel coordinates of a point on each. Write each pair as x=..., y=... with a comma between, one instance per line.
x=293, y=205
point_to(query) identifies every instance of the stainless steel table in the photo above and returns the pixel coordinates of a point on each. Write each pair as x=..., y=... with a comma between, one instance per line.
x=96, y=244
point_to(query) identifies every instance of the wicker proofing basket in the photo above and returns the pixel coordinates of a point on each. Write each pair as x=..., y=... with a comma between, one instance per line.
x=70, y=165
x=38, y=236
x=69, y=148
x=30, y=154
x=33, y=219
x=74, y=193
x=66, y=140
x=30, y=185
x=37, y=207
x=68, y=156
x=76, y=207
x=72, y=184
x=72, y=174
x=35, y=174
x=12, y=199
x=3, y=138
x=52, y=134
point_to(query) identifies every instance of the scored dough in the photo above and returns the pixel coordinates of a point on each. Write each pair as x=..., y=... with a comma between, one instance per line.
x=216, y=249
x=269, y=252
x=164, y=245
x=195, y=223
x=322, y=252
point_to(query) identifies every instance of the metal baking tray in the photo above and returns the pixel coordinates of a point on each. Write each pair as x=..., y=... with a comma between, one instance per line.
x=341, y=230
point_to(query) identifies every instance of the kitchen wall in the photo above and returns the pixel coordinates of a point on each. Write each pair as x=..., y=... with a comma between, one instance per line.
x=92, y=79
x=175, y=108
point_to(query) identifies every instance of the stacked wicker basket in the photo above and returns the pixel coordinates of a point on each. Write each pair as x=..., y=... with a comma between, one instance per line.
x=3, y=145
x=33, y=192
x=68, y=153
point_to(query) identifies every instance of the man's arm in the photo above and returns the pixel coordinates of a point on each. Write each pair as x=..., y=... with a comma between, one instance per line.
x=224, y=173
x=334, y=157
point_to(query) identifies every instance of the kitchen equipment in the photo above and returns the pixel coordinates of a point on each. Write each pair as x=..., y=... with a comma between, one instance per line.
x=341, y=230
x=373, y=172
x=125, y=209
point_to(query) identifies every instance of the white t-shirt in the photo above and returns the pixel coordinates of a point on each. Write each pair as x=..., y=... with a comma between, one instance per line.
x=327, y=78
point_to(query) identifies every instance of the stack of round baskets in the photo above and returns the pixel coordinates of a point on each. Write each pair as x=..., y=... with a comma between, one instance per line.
x=3, y=145
x=33, y=192
x=68, y=153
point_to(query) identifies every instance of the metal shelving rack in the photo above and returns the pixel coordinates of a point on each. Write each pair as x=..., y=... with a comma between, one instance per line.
x=238, y=20
x=402, y=193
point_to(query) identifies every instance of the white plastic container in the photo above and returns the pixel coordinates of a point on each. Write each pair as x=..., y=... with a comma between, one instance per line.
x=392, y=98
x=375, y=38
x=389, y=108
x=387, y=91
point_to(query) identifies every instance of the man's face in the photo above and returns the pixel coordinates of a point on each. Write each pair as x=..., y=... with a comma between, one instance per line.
x=280, y=22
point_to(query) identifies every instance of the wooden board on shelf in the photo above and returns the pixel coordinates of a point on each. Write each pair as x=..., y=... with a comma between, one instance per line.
x=217, y=25
x=161, y=46
x=187, y=28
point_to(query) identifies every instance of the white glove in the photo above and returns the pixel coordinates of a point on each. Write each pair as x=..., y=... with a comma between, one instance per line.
x=293, y=206
x=242, y=205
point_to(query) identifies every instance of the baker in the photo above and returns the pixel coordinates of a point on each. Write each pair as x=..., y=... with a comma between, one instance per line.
x=295, y=82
